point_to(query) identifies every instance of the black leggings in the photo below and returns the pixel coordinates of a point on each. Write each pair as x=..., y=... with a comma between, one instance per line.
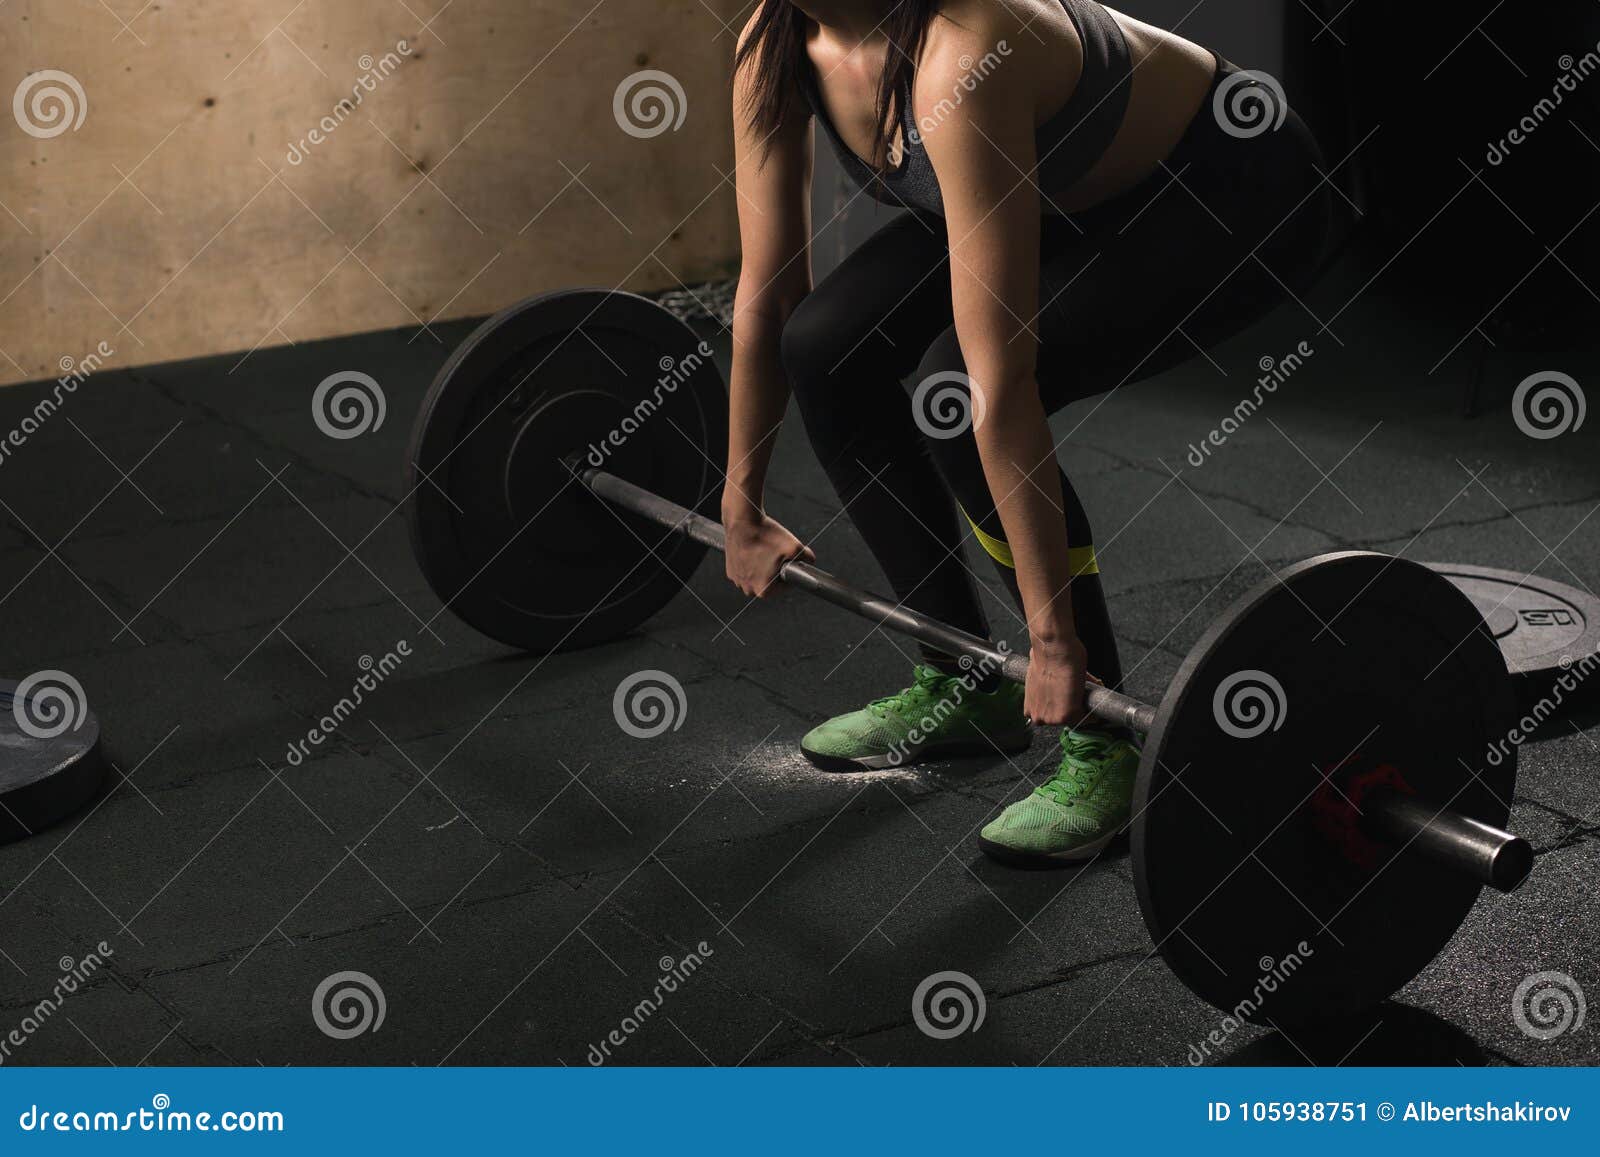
x=1201, y=249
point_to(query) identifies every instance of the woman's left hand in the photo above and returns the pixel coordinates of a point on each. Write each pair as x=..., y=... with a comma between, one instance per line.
x=1056, y=683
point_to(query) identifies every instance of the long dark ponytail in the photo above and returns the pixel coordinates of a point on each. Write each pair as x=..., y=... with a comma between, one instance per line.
x=776, y=49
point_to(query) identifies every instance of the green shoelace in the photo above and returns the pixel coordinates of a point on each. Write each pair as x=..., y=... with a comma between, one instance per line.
x=928, y=686
x=1082, y=758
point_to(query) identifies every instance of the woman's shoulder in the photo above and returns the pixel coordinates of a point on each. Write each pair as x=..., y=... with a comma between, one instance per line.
x=1043, y=23
x=1032, y=43
x=961, y=26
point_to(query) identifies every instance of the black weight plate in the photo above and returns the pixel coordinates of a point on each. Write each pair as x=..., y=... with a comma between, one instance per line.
x=1233, y=869
x=1542, y=626
x=50, y=761
x=507, y=535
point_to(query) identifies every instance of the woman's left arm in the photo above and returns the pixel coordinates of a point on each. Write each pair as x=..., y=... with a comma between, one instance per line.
x=983, y=151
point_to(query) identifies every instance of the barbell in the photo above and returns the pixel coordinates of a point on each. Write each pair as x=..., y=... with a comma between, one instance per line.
x=1324, y=784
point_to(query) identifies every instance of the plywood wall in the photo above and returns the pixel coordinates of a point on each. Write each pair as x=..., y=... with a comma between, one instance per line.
x=216, y=197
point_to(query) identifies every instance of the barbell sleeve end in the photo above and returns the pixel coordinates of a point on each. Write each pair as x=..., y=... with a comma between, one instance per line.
x=1497, y=858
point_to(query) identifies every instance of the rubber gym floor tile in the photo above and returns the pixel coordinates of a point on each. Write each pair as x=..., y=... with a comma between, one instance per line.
x=1139, y=516
x=1544, y=827
x=1126, y=1011
x=103, y=1023
x=1377, y=491
x=247, y=385
x=534, y=979
x=260, y=567
x=1145, y=422
x=213, y=871
x=191, y=721
x=373, y=462
x=55, y=610
x=584, y=796
x=1078, y=458
x=604, y=973
x=448, y=674
x=533, y=699
x=1159, y=423
x=78, y=488
x=1383, y=479
x=1133, y=1012
x=1560, y=541
x=838, y=920
x=108, y=407
x=1506, y=941
x=263, y=1012
x=35, y=942
x=1175, y=613
x=1410, y=467
x=1556, y=768
x=12, y=536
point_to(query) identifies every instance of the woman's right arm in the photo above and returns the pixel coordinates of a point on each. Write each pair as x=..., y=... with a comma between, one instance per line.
x=773, y=179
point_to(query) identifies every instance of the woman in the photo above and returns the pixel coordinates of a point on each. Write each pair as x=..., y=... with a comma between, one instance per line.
x=1091, y=200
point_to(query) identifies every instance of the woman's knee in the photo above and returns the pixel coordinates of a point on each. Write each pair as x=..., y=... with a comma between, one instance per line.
x=942, y=357
x=942, y=396
x=942, y=404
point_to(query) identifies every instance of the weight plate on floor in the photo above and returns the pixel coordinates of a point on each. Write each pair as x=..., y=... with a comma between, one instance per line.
x=1542, y=626
x=50, y=761
x=507, y=535
x=1342, y=670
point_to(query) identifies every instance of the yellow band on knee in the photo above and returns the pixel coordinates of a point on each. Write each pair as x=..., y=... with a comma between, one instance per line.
x=1081, y=560
x=998, y=548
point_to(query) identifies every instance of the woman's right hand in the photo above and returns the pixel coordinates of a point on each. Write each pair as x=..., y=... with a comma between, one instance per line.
x=758, y=547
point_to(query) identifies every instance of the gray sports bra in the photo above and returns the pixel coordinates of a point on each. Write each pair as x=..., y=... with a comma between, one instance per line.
x=1069, y=143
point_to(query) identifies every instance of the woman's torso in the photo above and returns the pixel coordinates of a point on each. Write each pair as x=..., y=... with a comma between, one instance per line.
x=1169, y=79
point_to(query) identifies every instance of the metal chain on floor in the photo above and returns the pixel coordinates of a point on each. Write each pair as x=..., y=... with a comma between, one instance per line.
x=707, y=301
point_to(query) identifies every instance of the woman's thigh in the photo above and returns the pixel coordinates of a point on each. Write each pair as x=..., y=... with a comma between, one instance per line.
x=874, y=314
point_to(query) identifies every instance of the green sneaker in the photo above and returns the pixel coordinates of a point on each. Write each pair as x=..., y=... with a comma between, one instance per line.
x=1084, y=806
x=936, y=717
